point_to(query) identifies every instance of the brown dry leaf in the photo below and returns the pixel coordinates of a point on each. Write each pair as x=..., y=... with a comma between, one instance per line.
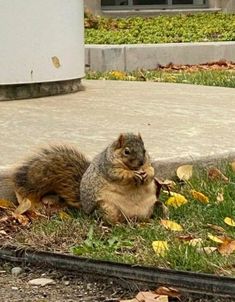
x=22, y=219
x=229, y=221
x=6, y=204
x=23, y=207
x=233, y=166
x=217, y=228
x=171, y=225
x=227, y=247
x=184, y=172
x=148, y=297
x=207, y=250
x=199, y=196
x=216, y=174
x=168, y=291
x=184, y=237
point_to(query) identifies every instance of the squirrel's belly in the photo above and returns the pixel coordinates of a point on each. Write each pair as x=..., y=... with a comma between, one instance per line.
x=137, y=202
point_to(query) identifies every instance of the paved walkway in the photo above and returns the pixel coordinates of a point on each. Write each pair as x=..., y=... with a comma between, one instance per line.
x=176, y=121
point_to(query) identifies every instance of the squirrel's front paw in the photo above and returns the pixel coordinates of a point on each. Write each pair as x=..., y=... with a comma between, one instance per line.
x=140, y=177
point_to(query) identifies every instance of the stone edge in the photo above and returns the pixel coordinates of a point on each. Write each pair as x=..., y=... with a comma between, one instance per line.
x=130, y=57
x=166, y=168
x=35, y=90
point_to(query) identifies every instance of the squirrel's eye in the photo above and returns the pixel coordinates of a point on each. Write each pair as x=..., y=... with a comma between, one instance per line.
x=127, y=151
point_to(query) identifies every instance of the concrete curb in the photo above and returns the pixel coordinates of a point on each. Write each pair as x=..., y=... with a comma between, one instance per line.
x=149, y=56
x=166, y=168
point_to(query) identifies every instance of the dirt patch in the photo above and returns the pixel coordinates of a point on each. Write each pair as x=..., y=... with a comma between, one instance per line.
x=68, y=287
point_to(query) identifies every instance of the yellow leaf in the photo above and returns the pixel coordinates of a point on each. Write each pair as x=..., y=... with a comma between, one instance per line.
x=160, y=247
x=233, y=166
x=214, y=238
x=184, y=172
x=176, y=200
x=6, y=204
x=220, y=197
x=171, y=225
x=23, y=207
x=229, y=221
x=64, y=216
x=200, y=196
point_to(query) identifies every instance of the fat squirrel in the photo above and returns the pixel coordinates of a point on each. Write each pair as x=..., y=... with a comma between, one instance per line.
x=119, y=181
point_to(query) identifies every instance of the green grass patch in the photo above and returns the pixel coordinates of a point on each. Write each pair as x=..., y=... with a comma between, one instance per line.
x=224, y=78
x=161, y=29
x=132, y=242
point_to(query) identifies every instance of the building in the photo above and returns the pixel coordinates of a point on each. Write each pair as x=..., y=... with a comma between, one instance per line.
x=123, y=8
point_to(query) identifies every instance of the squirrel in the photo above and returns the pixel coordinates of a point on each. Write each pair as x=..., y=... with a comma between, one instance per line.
x=119, y=181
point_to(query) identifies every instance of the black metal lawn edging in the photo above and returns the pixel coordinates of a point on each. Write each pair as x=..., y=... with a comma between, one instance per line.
x=187, y=282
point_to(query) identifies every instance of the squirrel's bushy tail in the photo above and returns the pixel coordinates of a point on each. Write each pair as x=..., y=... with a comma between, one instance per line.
x=53, y=170
x=6, y=185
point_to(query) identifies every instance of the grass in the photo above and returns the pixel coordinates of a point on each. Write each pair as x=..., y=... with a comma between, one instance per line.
x=223, y=78
x=132, y=242
x=161, y=29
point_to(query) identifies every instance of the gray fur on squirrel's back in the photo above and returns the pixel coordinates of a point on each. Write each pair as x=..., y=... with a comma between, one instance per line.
x=91, y=183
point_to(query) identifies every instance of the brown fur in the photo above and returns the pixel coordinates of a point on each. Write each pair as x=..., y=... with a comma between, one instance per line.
x=54, y=170
x=121, y=185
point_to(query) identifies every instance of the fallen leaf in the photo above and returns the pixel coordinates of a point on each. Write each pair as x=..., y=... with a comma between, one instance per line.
x=199, y=196
x=41, y=281
x=168, y=291
x=184, y=237
x=171, y=225
x=22, y=219
x=220, y=197
x=214, y=238
x=64, y=216
x=207, y=250
x=2, y=232
x=229, y=221
x=23, y=207
x=195, y=242
x=148, y=297
x=6, y=204
x=216, y=174
x=176, y=200
x=160, y=247
x=227, y=247
x=233, y=166
x=184, y=172
x=217, y=228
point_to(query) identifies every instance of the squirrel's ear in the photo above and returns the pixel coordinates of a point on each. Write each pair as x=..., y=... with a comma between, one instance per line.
x=120, y=141
x=139, y=136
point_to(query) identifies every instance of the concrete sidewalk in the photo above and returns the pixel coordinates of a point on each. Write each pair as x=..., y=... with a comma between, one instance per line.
x=178, y=122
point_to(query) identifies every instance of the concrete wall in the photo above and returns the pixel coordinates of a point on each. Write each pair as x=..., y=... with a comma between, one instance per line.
x=226, y=5
x=94, y=6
